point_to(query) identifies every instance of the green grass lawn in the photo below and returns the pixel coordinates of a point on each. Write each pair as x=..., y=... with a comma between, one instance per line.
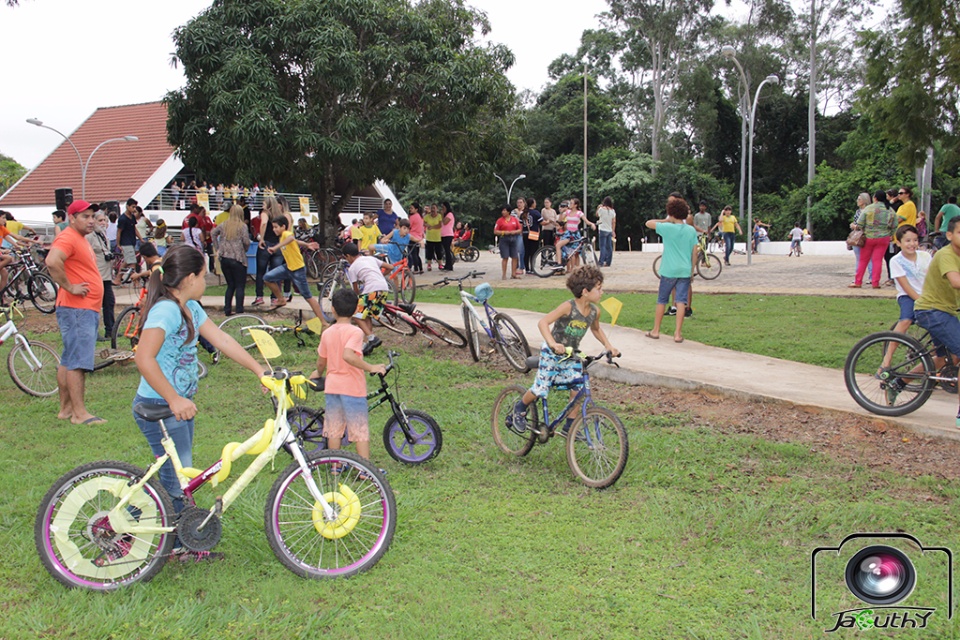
x=705, y=535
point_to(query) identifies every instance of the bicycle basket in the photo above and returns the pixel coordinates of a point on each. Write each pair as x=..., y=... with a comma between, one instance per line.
x=483, y=292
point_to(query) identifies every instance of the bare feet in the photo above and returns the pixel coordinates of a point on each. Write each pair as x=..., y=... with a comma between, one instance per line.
x=678, y=339
x=64, y=416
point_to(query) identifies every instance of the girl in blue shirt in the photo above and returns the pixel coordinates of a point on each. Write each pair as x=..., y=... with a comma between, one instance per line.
x=170, y=323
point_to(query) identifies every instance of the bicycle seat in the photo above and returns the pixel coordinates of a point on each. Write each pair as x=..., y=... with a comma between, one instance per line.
x=533, y=362
x=316, y=384
x=408, y=307
x=152, y=412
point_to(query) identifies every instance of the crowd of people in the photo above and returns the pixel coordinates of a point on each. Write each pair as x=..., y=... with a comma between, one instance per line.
x=181, y=194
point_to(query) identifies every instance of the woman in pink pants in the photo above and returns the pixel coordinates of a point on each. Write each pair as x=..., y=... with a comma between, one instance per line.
x=877, y=220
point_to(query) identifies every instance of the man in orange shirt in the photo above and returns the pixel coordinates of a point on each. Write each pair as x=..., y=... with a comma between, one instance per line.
x=73, y=267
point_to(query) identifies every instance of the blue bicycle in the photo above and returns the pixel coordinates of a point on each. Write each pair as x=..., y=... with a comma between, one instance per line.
x=597, y=447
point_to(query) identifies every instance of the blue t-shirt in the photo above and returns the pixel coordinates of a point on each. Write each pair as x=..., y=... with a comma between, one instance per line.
x=678, y=243
x=386, y=221
x=177, y=358
x=397, y=246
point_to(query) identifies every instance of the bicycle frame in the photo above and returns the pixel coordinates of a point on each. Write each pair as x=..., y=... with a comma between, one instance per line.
x=10, y=329
x=265, y=444
x=467, y=300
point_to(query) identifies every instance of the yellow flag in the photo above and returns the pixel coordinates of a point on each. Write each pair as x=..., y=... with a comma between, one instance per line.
x=613, y=307
x=304, y=206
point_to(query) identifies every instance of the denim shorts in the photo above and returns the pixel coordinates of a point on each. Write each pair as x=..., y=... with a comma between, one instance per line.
x=79, y=330
x=906, y=308
x=510, y=247
x=682, y=285
x=944, y=328
x=299, y=277
x=346, y=414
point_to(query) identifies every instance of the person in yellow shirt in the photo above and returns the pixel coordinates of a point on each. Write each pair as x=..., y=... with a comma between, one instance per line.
x=369, y=233
x=727, y=224
x=907, y=212
x=293, y=267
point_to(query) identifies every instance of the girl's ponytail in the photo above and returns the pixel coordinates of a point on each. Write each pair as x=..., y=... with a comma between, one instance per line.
x=180, y=261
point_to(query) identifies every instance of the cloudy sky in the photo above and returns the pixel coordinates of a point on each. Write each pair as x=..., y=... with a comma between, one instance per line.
x=66, y=58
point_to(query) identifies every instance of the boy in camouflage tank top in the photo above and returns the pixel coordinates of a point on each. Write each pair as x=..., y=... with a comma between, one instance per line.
x=570, y=322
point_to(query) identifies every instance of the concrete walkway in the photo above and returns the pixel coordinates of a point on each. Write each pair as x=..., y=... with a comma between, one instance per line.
x=692, y=365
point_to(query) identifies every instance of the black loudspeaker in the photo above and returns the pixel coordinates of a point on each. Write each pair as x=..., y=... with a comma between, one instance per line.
x=110, y=206
x=64, y=198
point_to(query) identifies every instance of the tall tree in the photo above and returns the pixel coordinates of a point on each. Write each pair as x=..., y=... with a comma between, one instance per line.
x=913, y=77
x=334, y=94
x=660, y=37
x=10, y=172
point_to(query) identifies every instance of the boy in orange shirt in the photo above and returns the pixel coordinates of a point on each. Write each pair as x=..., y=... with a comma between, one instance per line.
x=340, y=355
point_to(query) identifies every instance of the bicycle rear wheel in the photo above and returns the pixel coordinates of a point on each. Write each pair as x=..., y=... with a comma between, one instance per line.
x=396, y=323
x=709, y=266
x=511, y=342
x=235, y=326
x=427, y=439
x=896, y=390
x=43, y=293
x=507, y=437
x=472, y=329
x=544, y=261
x=74, y=538
x=442, y=330
x=362, y=527
x=39, y=381
x=656, y=266
x=597, y=448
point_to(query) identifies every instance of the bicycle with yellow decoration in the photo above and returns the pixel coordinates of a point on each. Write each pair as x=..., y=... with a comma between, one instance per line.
x=329, y=514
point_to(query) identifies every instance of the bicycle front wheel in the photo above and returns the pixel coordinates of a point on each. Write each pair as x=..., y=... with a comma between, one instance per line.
x=235, y=327
x=589, y=254
x=709, y=266
x=472, y=327
x=597, y=448
x=442, y=330
x=43, y=293
x=425, y=441
x=894, y=390
x=38, y=378
x=544, y=261
x=511, y=342
x=354, y=539
x=656, y=266
x=126, y=329
x=406, y=286
x=76, y=542
x=510, y=439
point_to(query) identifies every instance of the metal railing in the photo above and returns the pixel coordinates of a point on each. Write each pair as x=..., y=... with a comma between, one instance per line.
x=170, y=200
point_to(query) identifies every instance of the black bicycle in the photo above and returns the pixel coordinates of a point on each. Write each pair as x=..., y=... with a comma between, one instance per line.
x=26, y=282
x=409, y=436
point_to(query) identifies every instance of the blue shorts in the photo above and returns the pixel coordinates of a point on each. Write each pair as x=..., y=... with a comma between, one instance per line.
x=906, y=308
x=510, y=247
x=556, y=372
x=346, y=414
x=682, y=285
x=79, y=330
x=944, y=328
x=299, y=277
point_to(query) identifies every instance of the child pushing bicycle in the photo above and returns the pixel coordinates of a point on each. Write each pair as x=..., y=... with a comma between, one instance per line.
x=340, y=355
x=171, y=322
x=563, y=329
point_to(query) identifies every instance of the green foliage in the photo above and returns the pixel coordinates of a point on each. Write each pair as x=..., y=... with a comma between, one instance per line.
x=333, y=94
x=912, y=84
x=10, y=172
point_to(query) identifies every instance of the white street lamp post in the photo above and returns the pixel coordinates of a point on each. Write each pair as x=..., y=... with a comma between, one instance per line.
x=753, y=116
x=83, y=165
x=730, y=53
x=506, y=190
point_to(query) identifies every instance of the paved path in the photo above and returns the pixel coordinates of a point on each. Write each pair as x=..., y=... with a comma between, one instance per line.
x=692, y=365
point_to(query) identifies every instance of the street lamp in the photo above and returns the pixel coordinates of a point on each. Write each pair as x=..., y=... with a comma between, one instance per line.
x=730, y=53
x=510, y=190
x=83, y=165
x=772, y=79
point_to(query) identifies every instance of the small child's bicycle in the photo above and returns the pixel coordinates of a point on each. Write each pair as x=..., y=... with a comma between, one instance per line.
x=32, y=365
x=409, y=436
x=107, y=525
x=597, y=447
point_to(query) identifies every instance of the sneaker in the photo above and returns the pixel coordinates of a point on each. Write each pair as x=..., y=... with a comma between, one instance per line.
x=290, y=297
x=894, y=387
x=258, y=302
x=672, y=311
x=688, y=313
x=185, y=555
x=517, y=421
x=429, y=267
x=370, y=345
x=103, y=338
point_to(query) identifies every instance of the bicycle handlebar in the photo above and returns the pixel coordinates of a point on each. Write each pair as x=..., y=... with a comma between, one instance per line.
x=447, y=280
x=588, y=360
x=391, y=364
